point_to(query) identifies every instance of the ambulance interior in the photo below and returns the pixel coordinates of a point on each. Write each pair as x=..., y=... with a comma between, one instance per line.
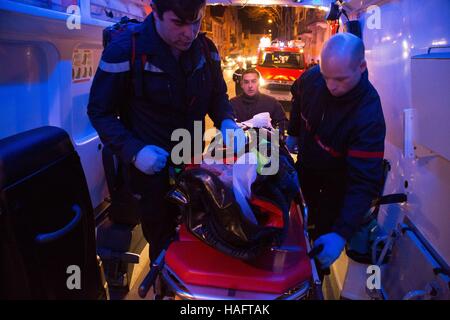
x=49, y=52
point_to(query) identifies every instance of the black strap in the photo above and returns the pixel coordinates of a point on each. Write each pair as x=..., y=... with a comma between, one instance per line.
x=392, y=198
x=205, y=49
x=138, y=60
x=207, y=53
x=438, y=271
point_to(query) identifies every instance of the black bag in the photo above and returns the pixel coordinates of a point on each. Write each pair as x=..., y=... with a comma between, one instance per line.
x=115, y=30
x=211, y=212
x=124, y=208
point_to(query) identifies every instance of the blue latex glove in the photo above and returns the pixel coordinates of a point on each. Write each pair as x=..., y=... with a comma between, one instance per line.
x=231, y=132
x=151, y=159
x=333, y=244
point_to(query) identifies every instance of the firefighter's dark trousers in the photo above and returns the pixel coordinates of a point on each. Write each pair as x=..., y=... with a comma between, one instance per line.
x=157, y=214
x=324, y=195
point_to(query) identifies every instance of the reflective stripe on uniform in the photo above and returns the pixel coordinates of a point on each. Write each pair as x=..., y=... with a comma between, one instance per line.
x=114, y=67
x=328, y=149
x=152, y=68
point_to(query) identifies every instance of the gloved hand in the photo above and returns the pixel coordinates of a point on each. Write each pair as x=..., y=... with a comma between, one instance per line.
x=333, y=244
x=151, y=159
x=292, y=144
x=232, y=132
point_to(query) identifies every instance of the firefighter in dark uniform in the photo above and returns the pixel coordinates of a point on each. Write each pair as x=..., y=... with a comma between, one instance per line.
x=338, y=124
x=181, y=83
x=237, y=78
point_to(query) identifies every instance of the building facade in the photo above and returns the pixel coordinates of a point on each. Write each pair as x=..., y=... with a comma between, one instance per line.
x=224, y=28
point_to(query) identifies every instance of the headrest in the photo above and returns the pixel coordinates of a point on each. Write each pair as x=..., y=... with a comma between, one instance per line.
x=26, y=153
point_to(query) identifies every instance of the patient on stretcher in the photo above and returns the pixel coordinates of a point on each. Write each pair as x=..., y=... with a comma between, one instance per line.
x=236, y=209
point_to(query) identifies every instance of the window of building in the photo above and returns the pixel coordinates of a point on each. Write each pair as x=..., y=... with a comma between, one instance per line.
x=115, y=10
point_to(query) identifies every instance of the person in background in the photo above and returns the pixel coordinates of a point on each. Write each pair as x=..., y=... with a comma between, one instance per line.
x=237, y=78
x=311, y=64
x=252, y=102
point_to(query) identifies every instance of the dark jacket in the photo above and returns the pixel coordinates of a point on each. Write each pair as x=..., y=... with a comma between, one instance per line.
x=340, y=139
x=246, y=107
x=175, y=93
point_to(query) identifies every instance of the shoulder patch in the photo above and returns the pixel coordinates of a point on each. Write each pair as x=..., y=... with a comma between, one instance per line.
x=152, y=68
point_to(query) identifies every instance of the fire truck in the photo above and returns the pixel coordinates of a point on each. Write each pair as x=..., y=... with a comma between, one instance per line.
x=280, y=64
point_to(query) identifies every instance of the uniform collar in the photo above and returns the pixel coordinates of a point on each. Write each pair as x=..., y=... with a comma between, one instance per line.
x=356, y=93
x=250, y=100
x=351, y=97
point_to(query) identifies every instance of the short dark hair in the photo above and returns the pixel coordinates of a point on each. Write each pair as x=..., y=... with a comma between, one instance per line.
x=251, y=70
x=186, y=10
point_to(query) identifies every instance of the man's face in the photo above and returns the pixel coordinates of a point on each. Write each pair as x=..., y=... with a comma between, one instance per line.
x=177, y=33
x=250, y=84
x=341, y=76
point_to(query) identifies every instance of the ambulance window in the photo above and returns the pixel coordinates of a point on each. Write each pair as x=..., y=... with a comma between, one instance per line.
x=115, y=10
x=56, y=5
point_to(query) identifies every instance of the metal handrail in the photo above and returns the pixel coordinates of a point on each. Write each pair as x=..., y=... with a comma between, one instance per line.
x=437, y=47
x=184, y=294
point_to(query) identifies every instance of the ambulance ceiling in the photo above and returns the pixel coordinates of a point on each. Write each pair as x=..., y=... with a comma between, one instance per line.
x=349, y=5
x=272, y=2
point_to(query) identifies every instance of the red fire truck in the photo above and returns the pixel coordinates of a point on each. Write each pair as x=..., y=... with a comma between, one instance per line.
x=280, y=65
